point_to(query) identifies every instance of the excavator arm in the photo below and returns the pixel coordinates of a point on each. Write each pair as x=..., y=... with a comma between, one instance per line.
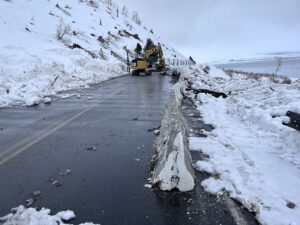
x=156, y=50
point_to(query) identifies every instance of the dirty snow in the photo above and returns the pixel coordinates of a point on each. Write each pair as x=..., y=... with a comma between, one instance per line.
x=251, y=155
x=31, y=216
x=35, y=65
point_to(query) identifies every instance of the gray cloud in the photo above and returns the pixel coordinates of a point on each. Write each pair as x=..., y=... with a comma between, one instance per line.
x=214, y=29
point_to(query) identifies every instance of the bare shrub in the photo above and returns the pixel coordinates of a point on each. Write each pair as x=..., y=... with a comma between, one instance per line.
x=62, y=30
x=136, y=18
x=101, y=54
x=92, y=3
x=109, y=2
x=124, y=11
x=119, y=57
x=257, y=76
x=113, y=36
x=254, y=76
x=286, y=80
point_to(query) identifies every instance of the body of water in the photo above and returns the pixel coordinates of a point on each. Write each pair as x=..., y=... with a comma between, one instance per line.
x=290, y=66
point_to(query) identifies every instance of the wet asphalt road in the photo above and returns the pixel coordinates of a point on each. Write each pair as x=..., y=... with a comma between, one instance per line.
x=102, y=139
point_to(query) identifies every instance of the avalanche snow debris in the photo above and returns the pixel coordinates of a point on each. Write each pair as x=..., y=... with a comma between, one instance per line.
x=65, y=173
x=36, y=193
x=56, y=183
x=66, y=215
x=156, y=132
x=91, y=149
x=148, y=185
x=256, y=158
x=30, y=216
x=29, y=202
x=47, y=100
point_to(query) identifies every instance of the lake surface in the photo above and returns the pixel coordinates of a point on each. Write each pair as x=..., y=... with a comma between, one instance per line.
x=290, y=66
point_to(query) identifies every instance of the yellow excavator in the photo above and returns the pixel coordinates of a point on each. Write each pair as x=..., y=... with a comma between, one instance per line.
x=144, y=65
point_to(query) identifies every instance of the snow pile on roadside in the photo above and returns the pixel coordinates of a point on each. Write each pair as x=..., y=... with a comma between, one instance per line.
x=31, y=216
x=36, y=79
x=34, y=63
x=251, y=154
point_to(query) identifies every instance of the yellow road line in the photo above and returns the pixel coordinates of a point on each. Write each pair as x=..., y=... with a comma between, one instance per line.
x=44, y=135
x=28, y=145
x=37, y=134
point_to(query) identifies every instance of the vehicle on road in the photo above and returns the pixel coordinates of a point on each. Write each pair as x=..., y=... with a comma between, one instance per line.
x=145, y=64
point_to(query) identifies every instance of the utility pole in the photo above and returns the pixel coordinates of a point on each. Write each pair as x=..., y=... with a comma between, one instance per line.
x=128, y=64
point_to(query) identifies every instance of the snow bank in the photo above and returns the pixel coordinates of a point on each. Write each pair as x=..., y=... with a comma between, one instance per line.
x=251, y=154
x=31, y=216
x=35, y=79
x=34, y=64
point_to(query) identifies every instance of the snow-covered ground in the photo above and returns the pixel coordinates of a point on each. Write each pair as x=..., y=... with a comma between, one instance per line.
x=31, y=216
x=251, y=155
x=35, y=64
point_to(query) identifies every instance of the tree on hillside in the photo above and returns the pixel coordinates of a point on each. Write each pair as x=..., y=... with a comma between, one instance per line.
x=149, y=44
x=153, y=57
x=124, y=11
x=136, y=18
x=109, y=2
x=138, y=49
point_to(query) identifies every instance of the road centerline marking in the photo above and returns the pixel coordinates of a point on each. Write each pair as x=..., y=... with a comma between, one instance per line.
x=18, y=151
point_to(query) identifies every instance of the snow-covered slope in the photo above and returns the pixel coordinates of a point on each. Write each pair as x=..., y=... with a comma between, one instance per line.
x=35, y=64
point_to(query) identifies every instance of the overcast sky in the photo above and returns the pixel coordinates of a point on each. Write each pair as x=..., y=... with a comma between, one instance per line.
x=216, y=29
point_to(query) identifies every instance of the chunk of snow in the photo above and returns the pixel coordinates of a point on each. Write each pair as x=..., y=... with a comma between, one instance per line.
x=148, y=185
x=66, y=215
x=32, y=100
x=36, y=193
x=47, y=100
x=156, y=132
x=31, y=216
